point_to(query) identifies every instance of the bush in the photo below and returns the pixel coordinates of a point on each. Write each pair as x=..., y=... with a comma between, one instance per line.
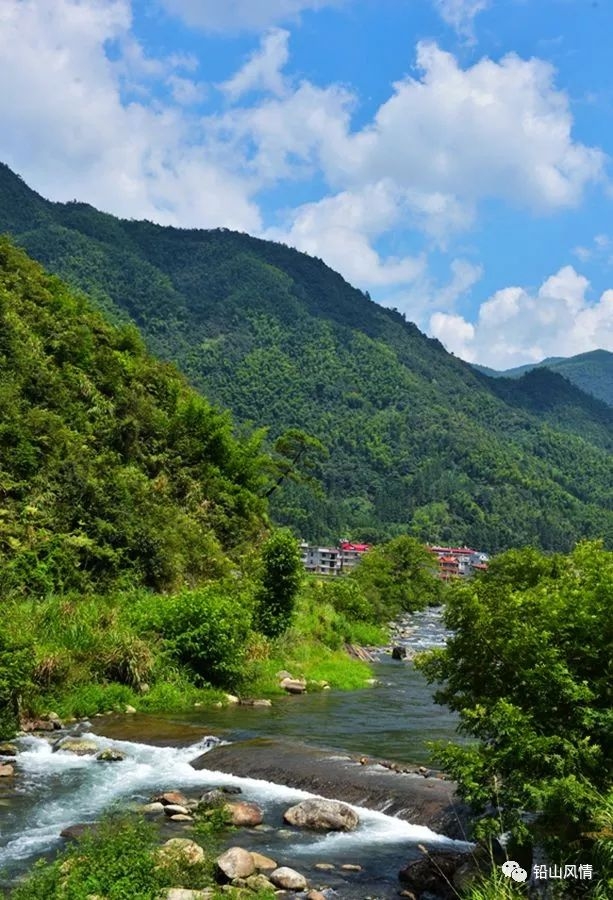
x=205, y=629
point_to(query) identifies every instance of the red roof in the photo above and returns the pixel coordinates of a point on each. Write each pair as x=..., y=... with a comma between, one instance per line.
x=359, y=548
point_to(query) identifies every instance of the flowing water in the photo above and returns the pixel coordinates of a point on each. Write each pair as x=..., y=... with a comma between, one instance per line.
x=392, y=720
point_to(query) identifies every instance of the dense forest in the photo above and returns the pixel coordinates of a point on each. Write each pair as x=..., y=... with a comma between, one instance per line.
x=415, y=439
x=112, y=469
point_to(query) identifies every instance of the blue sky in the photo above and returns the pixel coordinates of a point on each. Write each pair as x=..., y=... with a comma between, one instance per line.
x=452, y=157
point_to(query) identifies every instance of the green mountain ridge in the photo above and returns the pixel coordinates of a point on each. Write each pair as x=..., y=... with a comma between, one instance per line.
x=113, y=471
x=417, y=439
x=592, y=372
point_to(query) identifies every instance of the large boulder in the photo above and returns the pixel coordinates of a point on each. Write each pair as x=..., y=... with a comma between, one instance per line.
x=235, y=863
x=79, y=746
x=288, y=879
x=110, y=755
x=244, y=814
x=179, y=850
x=322, y=815
x=6, y=770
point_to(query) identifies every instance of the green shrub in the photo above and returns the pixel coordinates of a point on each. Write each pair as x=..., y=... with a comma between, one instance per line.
x=282, y=575
x=205, y=629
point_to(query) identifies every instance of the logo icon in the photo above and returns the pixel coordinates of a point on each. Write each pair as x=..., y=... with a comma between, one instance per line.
x=513, y=870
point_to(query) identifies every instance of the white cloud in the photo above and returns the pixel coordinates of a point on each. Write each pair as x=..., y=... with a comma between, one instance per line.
x=341, y=231
x=263, y=69
x=516, y=326
x=493, y=129
x=68, y=129
x=460, y=14
x=241, y=15
x=76, y=123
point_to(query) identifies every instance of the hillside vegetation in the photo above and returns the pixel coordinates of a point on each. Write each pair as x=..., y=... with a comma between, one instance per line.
x=416, y=439
x=591, y=372
x=111, y=466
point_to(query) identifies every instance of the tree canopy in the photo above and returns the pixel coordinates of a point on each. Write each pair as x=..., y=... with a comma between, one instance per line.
x=112, y=469
x=529, y=669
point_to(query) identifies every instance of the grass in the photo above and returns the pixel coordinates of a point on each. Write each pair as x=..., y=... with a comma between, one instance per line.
x=118, y=861
x=98, y=654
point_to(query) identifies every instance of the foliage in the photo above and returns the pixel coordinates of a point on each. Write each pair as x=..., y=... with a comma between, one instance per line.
x=117, y=861
x=15, y=680
x=205, y=629
x=529, y=670
x=398, y=576
x=282, y=574
x=417, y=440
x=112, y=470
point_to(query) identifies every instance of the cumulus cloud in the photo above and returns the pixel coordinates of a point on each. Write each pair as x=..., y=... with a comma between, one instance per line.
x=123, y=131
x=263, y=69
x=517, y=326
x=241, y=15
x=68, y=128
x=493, y=129
x=460, y=14
x=341, y=231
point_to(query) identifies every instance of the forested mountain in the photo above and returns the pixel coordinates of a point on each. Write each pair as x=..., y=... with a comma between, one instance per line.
x=113, y=471
x=592, y=372
x=416, y=438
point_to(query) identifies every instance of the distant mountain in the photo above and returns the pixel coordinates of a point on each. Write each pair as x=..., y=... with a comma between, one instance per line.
x=592, y=372
x=417, y=439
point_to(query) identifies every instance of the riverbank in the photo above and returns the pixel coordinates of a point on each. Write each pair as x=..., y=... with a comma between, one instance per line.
x=81, y=656
x=392, y=719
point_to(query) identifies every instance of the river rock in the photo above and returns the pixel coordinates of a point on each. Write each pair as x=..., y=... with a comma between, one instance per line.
x=129, y=710
x=232, y=699
x=433, y=873
x=351, y=867
x=74, y=832
x=174, y=809
x=283, y=675
x=263, y=862
x=235, y=863
x=288, y=879
x=257, y=882
x=245, y=814
x=8, y=749
x=37, y=725
x=6, y=770
x=173, y=797
x=110, y=755
x=181, y=817
x=79, y=746
x=322, y=815
x=213, y=798
x=188, y=894
x=325, y=867
x=148, y=808
x=293, y=686
x=179, y=850
x=315, y=895
x=261, y=703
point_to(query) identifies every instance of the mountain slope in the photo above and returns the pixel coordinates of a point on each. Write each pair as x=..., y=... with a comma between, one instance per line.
x=112, y=470
x=416, y=437
x=591, y=372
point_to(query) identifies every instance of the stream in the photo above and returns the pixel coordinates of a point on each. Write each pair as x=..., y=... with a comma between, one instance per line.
x=391, y=720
